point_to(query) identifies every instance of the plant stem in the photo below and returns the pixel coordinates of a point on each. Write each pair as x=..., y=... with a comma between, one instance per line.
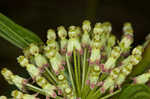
x=86, y=87
x=79, y=70
x=49, y=78
x=38, y=90
x=76, y=71
x=92, y=91
x=70, y=73
x=51, y=75
x=35, y=89
x=110, y=95
x=84, y=68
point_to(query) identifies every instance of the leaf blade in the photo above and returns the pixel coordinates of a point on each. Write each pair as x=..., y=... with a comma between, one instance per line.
x=16, y=34
x=135, y=91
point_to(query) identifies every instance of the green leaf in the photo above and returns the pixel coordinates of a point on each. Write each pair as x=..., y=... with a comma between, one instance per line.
x=144, y=63
x=16, y=34
x=135, y=92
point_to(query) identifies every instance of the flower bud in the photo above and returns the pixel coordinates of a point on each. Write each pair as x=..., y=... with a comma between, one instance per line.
x=34, y=49
x=73, y=42
x=23, y=61
x=109, y=82
x=51, y=34
x=46, y=86
x=135, y=59
x=40, y=60
x=110, y=63
x=86, y=26
x=125, y=43
x=94, y=75
x=137, y=51
x=72, y=32
x=124, y=72
x=107, y=27
x=115, y=52
x=7, y=75
x=98, y=29
x=13, y=79
x=17, y=94
x=53, y=45
x=111, y=41
x=62, y=33
x=127, y=26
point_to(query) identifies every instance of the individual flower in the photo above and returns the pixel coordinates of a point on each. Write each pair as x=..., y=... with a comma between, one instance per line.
x=19, y=95
x=73, y=42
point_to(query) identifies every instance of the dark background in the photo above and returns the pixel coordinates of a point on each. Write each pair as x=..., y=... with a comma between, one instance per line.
x=39, y=15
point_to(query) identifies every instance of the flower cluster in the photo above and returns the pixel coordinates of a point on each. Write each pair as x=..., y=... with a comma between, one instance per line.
x=83, y=63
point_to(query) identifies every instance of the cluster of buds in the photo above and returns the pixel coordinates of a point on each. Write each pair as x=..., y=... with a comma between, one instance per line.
x=103, y=63
x=13, y=79
x=118, y=75
x=35, y=73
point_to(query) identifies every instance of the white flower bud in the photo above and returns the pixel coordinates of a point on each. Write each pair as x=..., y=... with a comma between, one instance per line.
x=86, y=26
x=73, y=42
x=7, y=75
x=17, y=94
x=135, y=59
x=51, y=34
x=34, y=49
x=109, y=82
x=110, y=63
x=40, y=60
x=23, y=61
x=94, y=75
x=72, y=32
x=111, y=40
x=137, y=51
x=98, y=29
x=127, y=26
x=62, y=33
x=107, y=27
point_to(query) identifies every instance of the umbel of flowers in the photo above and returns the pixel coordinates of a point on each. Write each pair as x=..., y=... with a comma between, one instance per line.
x=83, y=63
